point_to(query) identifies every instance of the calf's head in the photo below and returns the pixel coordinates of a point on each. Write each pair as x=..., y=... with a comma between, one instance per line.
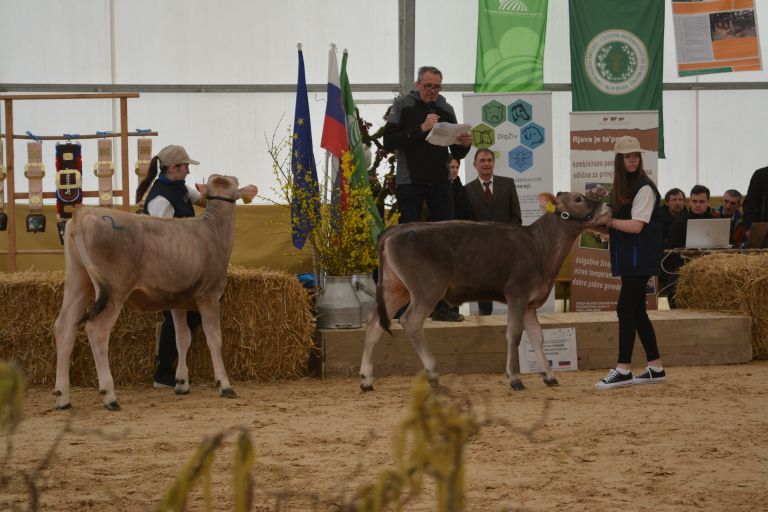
x=575, y=206
x=226, y=188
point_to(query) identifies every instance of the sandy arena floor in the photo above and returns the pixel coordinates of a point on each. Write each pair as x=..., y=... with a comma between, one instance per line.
x=698, y=442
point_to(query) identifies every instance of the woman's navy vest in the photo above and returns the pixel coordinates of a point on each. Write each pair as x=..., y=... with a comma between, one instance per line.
x=638, y=254
x=176, y=193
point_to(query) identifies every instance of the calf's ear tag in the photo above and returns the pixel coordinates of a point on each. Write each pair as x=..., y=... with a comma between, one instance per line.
x=35, y=223
x=550, y=207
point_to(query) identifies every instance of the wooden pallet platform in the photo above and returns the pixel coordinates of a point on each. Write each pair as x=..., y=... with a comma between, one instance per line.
x=478, y=345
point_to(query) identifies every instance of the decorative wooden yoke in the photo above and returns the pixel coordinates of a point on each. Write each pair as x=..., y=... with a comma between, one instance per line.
x=34, y=171
x=104, y=169
x=142, y=164
x=69, y=179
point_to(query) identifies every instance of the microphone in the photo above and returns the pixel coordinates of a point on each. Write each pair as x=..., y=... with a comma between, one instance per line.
x=431, y=108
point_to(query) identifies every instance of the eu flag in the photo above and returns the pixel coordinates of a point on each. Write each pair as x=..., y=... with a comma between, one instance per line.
x=305, y=191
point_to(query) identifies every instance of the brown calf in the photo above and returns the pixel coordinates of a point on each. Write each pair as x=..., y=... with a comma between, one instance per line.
x=462, y=261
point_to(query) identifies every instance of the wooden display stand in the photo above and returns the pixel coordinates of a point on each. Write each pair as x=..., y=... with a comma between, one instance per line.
x=479, y=345
x=124, y=193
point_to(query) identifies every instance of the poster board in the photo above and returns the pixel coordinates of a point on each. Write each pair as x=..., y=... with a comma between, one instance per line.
x=717, y=36
x=593, y=135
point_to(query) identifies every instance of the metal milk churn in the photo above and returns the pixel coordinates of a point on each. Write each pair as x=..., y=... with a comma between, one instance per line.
x=337, y=305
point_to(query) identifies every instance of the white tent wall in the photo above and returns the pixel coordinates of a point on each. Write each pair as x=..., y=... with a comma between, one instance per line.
x=713, y=137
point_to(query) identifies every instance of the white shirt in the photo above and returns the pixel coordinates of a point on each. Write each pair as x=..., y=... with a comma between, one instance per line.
x=161, y=207
x=490, y=185
x=642, y=205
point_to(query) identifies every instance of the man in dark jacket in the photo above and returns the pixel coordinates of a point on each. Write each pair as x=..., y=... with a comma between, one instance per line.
x=491, y=198
x=699, y=209
x=422, y=167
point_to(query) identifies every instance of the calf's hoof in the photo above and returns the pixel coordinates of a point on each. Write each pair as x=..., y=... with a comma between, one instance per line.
x=228, y=393
x=63, y=407
x=517, y=385
x=551, y=382
x=366, y=387
x=112, y=406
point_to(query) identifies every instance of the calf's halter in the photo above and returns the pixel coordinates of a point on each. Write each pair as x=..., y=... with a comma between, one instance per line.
x=568, y=216
x=219, y=198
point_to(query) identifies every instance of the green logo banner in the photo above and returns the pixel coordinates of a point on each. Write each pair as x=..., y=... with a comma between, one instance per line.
x=617, y=56
x=510, y=45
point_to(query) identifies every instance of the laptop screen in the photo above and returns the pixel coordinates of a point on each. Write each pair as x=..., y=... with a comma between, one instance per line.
x=708, y=233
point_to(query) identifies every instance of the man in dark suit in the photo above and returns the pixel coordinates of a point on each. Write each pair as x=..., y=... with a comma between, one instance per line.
x=491, y=198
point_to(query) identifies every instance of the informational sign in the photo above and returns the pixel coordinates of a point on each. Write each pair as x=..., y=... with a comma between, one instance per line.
x=559, y=349
x=517, y=127
x=717, y=36
x=593, y=135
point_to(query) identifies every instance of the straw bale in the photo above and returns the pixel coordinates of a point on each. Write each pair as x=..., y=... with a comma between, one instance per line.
x=736, y=283
x=267, y=331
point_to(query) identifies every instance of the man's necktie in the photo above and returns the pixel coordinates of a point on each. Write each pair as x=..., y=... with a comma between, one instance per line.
x=488, y=193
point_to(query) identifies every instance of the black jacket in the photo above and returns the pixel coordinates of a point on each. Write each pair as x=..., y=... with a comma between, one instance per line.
x=638, y=254
x=506, y=204
x=756, y=203
x=418, y=161
x=176, y=193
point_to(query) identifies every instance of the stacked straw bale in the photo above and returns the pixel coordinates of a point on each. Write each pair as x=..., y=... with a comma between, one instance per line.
x=266, y=322
x=735, y=283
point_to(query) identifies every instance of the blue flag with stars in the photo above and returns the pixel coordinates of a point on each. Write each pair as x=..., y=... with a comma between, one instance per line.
x=305, y=195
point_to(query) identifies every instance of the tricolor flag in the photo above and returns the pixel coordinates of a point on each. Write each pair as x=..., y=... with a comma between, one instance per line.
x=360, y=175
x=334, y=138
x=305, y=192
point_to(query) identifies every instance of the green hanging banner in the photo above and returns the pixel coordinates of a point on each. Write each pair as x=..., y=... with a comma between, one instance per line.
x=510, y=45
x=617, y=56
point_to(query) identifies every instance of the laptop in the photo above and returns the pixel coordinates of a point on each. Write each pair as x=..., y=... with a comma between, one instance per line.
x=708, y=234
x=758, y=236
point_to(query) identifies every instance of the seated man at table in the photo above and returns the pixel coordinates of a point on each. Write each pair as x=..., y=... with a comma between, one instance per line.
x=699, y=209
x=731, y=209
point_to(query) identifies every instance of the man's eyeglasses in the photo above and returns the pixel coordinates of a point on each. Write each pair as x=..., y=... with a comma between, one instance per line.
x=432, y=87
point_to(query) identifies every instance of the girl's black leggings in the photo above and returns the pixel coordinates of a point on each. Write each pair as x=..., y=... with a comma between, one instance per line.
x=633, y=318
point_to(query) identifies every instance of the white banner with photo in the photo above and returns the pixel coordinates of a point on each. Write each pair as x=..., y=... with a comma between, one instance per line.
x=593, y=135
x=517, y=127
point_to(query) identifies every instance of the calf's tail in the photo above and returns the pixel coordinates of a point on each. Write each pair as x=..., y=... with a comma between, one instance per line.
x=381, y=304
x=102, y=294
x=98, y=306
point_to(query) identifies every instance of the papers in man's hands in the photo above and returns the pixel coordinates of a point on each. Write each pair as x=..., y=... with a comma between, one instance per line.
x=445, y=134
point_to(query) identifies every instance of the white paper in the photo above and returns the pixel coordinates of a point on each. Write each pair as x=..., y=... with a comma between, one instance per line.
x=445, y=134
x=559, y=349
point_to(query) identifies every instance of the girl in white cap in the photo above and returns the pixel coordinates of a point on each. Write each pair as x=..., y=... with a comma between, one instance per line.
x=636, y=250
x=169, y=196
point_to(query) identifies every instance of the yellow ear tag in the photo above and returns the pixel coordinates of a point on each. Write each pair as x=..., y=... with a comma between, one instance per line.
x=550, y=208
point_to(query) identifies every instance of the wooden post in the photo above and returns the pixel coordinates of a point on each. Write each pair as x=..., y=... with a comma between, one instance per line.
x=11, y=189
x=126, y=193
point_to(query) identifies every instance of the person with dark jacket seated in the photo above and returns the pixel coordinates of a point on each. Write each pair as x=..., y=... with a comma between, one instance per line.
x=731, y=209
x=699, y=209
